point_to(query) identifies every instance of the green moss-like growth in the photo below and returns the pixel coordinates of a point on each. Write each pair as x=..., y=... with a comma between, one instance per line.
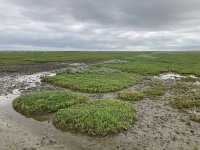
x=154, y=92
x=130, y=95
x=93, y=79
x=156, y=89
x=96, y=117
x=37, y=103
x=186, y=102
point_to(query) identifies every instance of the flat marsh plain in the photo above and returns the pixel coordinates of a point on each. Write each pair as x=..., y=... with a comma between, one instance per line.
x=100, y=100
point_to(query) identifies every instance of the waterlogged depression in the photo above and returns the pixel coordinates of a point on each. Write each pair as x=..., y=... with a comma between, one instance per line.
x=174, y=76
x=167, y=76
x=12, y=86
x=9, y=83
x=34, y=79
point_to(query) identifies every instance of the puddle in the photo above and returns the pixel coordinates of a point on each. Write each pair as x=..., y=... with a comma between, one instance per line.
x=4, y=100
x=34, y=79
x=172, y=76
x=8, y=83
x=168, y=76
x=17, y=84
x=77, y=64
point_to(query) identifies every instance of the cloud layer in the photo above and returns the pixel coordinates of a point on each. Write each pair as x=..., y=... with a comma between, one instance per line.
x=99, y=25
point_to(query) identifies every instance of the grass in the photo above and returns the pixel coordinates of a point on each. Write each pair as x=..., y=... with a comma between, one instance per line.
x=37, y=103
x=130, y=95
x=185, y=102
x=96, y=117
x=184, y=88
x=155, y=90
x=139, y=67
x=93, y=79
x=187, y=95
x=22, y=58
x=155, y=63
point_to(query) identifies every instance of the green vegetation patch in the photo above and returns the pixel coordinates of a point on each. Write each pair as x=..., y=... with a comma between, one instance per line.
x=93, y=79
x=155, y=63
x=155, y=90
x=131, y=95
x=185, y=89
x=38, y=103
x=97, y=117
x=138, y=66
x=7, y=58
x=186, y=102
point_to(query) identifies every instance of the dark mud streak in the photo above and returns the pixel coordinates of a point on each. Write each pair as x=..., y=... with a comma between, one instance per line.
x=39, y=67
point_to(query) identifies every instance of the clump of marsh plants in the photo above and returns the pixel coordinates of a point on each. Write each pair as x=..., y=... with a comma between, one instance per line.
x=155, y=90
x=96, y=117
x=38, y=103
x=186, y=102
x=93, y=79
x=131, y=95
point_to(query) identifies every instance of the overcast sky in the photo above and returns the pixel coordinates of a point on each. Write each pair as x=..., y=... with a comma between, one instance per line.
x=100, y=24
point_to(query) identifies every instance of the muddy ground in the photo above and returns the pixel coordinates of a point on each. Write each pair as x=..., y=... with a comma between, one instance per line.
x=159, y=126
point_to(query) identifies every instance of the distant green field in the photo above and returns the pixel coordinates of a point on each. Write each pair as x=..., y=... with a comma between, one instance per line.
x=7, y=58
x=155, y=63
x=145, y=63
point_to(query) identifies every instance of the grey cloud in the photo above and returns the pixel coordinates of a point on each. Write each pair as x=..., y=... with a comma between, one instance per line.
x=131, y=13
x=100, y=24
